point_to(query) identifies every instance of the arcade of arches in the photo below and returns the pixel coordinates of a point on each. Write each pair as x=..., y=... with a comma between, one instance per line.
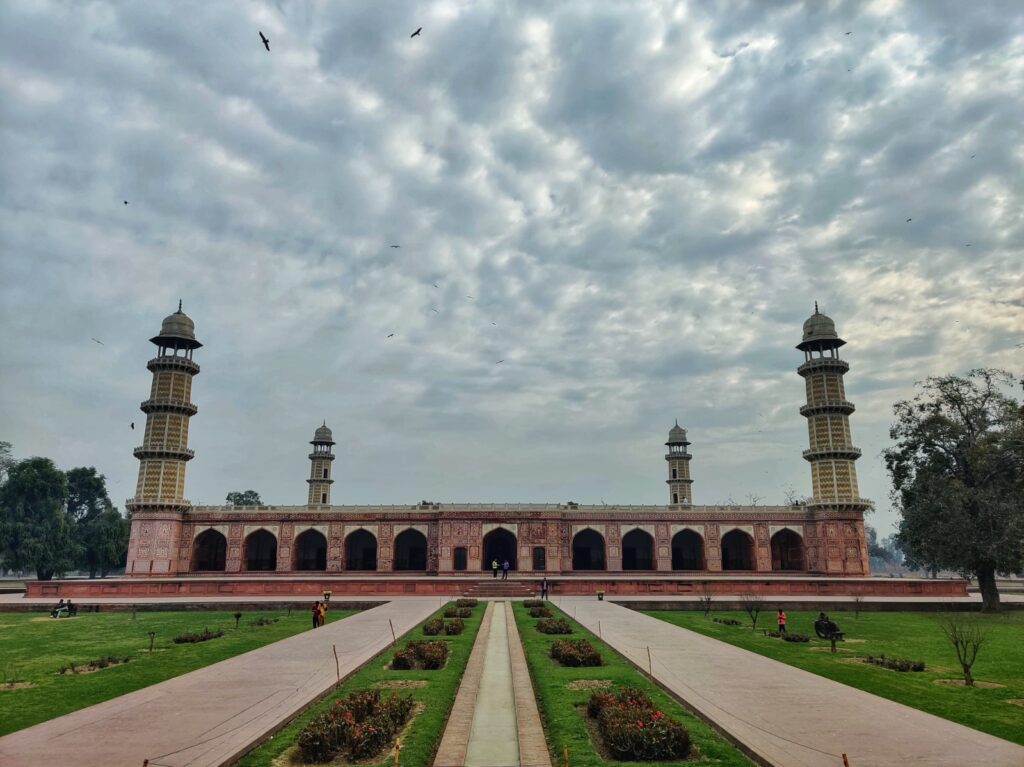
x=589, y=552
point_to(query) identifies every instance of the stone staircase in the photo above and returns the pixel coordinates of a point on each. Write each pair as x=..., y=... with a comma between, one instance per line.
x=495, y=588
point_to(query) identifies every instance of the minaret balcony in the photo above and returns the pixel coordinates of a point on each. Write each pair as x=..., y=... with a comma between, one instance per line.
x=823, y=365
x=165, y=405
x=678, y=456
x=322, y=456
x=320, y=481
x=159, y=452
x=834, y=453
x=170, y=362
x=679, y=481
x=831, y=406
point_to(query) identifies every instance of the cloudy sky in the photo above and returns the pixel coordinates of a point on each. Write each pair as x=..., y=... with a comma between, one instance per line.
x=633, y=204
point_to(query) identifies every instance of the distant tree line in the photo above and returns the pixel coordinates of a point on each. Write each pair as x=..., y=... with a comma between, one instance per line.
x=52, y=522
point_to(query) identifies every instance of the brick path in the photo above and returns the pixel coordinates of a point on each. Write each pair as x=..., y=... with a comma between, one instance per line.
x=209, y=717
x=786, y=716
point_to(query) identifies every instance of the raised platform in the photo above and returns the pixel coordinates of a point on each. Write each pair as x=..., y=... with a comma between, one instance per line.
x=646, y=584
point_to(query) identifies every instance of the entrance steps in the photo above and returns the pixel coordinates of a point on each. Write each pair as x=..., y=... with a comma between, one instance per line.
x=495, y=588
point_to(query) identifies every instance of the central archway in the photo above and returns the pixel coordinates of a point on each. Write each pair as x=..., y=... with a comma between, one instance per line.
x=500, y=545
x=410, y=549
x=687, y=551
x=588, y=550
x=787, y=551
x=261, y=551
x=209, y=551
x=737, y=551
x=360, y=551
x=637, y=550
x=311, y=551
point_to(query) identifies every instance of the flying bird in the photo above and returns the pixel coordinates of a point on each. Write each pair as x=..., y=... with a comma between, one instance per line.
x=909, y=220
x=266, y=42
x=499, y=362
x=99, y=342
x=416, y=33
x=494, y=323
x=434, y=310
x=470, y=298
x=391, y=335
x=435, y=285
x=396, y=246
x=847, y=33
x=126, y=202
x=973, y=156
x=133, y=425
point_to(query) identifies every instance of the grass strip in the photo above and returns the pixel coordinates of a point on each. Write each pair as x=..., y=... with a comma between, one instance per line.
x=435, y=698
x=912, y=635
x=560, y=706
x=34, y=647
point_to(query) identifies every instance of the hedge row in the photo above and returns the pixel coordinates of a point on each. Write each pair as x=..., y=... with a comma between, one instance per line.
x=540, y=612
x=554, y=626
x=896, y=664
x=192, y=637
x=421, y=654
x=360, y=726
x=634, y=730
x=575, y=652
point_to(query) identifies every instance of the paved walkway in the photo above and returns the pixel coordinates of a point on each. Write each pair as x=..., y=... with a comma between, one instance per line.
x=209, y=717
x=784, y=715
x=494, y=721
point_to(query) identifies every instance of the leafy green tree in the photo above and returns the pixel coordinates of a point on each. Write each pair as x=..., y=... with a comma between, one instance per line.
x=35, y=530
x=6, y=460
x=958, y=477
x=101, y=531
x=247, y=498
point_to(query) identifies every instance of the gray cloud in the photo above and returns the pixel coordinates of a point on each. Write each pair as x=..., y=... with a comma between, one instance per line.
x=645, y=198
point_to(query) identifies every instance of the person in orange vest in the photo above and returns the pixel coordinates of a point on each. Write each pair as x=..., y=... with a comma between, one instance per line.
x=781, y=620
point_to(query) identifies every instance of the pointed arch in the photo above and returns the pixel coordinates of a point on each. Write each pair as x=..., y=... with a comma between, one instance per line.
x=499, y=546
x=360, y=550
x=688, y=551
x=788, y=551
x=310, y=551
x=410, y=550
x=588, y=550
x=260, y=551
x=737, y=551
x=637, y=550
x=209, y=552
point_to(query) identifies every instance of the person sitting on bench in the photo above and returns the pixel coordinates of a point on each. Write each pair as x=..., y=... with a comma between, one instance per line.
x=56, y=611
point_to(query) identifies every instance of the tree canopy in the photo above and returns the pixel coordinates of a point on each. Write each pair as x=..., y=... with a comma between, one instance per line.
x=36, y=532
x=6, y=459
x=246, y=498
x=957, y=471
x=101, y=531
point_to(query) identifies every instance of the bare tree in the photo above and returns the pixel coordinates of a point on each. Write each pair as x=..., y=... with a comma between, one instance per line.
x=966, y=638
x=790, y=496
x=752, y=499
x=858, y=605
x=752, y=604
x=705, y=597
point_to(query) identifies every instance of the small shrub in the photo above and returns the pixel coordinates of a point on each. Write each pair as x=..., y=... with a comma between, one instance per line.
x=575, y=652
x=540, y=612
x=359, y=726
x=795, y=637
x=454, y=626
x=192, y=637
x=93, y=665
x=554, y=626
x=727, y=621
x=428, y=655
x=466, y=602
x=896, y=664
x=433, y=627
x=533, y=603
x=263, y=621
x=633, y=729
x=458, y=612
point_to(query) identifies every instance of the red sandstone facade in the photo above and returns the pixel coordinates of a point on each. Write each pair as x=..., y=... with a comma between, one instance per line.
x=170, y=537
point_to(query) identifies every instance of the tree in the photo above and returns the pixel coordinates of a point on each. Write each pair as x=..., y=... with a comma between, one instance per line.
x=966, y=639
x=35, y=530
x=101, y=531
x=958, y=478
x=752, y=604
x=6, y=460
x=883, y=552
x=248, y=498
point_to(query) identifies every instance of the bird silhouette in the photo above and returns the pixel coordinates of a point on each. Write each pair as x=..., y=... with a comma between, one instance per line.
x=434, y=310
x=391, y=335
x=435, y=285
x=499, y=362
x=99, y=342
x=133, y=425
x=416, y=33
x=973, y=156
x=266, y=42
x=396, y=246
x=909, y=220
x=470, y=298
x=494, y=323
x=126, y=202
x=847, y=33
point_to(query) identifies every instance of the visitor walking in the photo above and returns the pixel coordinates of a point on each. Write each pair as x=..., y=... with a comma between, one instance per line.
x=544, y=587
x=504, y=570
x=323, y=613
x=316, y=614
x=494, y=567
x=781, y=620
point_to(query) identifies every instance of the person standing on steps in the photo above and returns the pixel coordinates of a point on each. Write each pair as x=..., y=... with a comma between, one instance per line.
x=544, y=587
x=494, y=568
x=316, y=614
x=504, y=570
x=781, y=620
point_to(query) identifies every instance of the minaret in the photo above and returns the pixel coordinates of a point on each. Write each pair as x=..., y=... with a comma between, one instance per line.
x=164, y=450
x=679, y=491
x=831, y=453
x=320, y=472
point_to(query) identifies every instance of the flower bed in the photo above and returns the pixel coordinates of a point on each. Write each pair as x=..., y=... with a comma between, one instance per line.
x=727, y=621
x=358, y=726
x=192, y=637
x=433, y=627
x=634, y=730
x=454, y=626
x=575, y=652
x=263, y=621
x=540, y=612
x=794, y=637
x=533, y=603
x=554, y=626
x=427, y=655
x=466, y=602
x=93, y=665
x=896, y=664
x=458, y=612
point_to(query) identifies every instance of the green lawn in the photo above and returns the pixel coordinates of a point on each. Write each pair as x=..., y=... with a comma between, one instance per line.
x=914, y=635
x=33, y=648
x=564, y=722
x=420, y=741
